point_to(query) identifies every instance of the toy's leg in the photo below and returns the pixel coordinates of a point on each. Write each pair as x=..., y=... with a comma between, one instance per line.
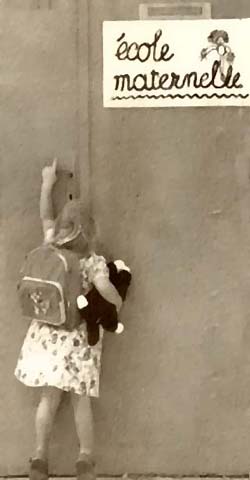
x=45, y=415
x=84, y=423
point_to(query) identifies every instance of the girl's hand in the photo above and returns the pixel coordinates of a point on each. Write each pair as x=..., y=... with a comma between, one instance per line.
x=49, y=174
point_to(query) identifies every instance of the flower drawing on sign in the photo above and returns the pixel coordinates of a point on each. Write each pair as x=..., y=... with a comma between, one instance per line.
x=219, y=40
x=40, y=305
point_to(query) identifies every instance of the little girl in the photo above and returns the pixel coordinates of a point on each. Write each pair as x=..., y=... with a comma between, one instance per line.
x=58, y=360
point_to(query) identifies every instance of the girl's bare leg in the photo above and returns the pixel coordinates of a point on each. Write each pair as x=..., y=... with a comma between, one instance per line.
x=84, y=424
x=45, y=415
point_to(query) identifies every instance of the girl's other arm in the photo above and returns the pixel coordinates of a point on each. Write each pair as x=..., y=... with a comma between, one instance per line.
x=108, y=291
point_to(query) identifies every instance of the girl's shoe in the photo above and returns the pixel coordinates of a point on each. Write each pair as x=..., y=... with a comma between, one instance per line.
x=38, y=469
x=85, y=468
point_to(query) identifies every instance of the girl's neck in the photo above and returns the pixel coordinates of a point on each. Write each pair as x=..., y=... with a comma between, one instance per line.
x=84, y=253
x=87, y=251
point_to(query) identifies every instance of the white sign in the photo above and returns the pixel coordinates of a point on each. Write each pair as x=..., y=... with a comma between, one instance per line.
x=176, y=63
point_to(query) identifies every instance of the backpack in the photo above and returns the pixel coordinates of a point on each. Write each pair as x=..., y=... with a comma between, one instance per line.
x=49, y=286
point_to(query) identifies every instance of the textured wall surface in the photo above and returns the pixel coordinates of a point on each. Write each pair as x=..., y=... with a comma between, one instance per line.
x=170, y=189
x=171, y=192
x=39, y=98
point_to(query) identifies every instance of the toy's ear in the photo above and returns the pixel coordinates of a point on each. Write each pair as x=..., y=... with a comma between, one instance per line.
x=120, y=265
x=82, y=302
x=120, y=328
x=112, y=268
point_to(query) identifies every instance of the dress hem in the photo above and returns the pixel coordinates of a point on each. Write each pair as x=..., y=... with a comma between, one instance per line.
x=65, y=389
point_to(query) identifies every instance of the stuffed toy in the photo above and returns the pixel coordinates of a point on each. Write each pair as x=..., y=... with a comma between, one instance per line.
x=96, y=311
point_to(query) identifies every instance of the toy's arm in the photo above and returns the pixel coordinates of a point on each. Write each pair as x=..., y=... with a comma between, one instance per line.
x=108, y=291
x=46, y=207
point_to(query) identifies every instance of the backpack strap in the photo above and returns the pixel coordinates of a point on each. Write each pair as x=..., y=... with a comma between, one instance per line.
x=62, y=257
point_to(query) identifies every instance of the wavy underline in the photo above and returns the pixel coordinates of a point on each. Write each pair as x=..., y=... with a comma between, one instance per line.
x=187, y=95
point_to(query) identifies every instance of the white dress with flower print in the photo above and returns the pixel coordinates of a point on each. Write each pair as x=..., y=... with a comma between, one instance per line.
x=59, y=358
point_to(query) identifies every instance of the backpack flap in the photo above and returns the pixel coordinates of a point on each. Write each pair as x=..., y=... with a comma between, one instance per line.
x=42, y=300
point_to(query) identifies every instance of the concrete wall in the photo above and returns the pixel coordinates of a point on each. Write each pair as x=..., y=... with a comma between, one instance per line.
x=41, y=105
x=170, y=189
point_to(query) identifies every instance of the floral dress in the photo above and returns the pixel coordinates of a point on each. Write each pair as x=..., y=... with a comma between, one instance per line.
x=59, y=358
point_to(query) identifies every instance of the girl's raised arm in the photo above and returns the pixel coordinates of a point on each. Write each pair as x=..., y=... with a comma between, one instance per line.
x=46, y=207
